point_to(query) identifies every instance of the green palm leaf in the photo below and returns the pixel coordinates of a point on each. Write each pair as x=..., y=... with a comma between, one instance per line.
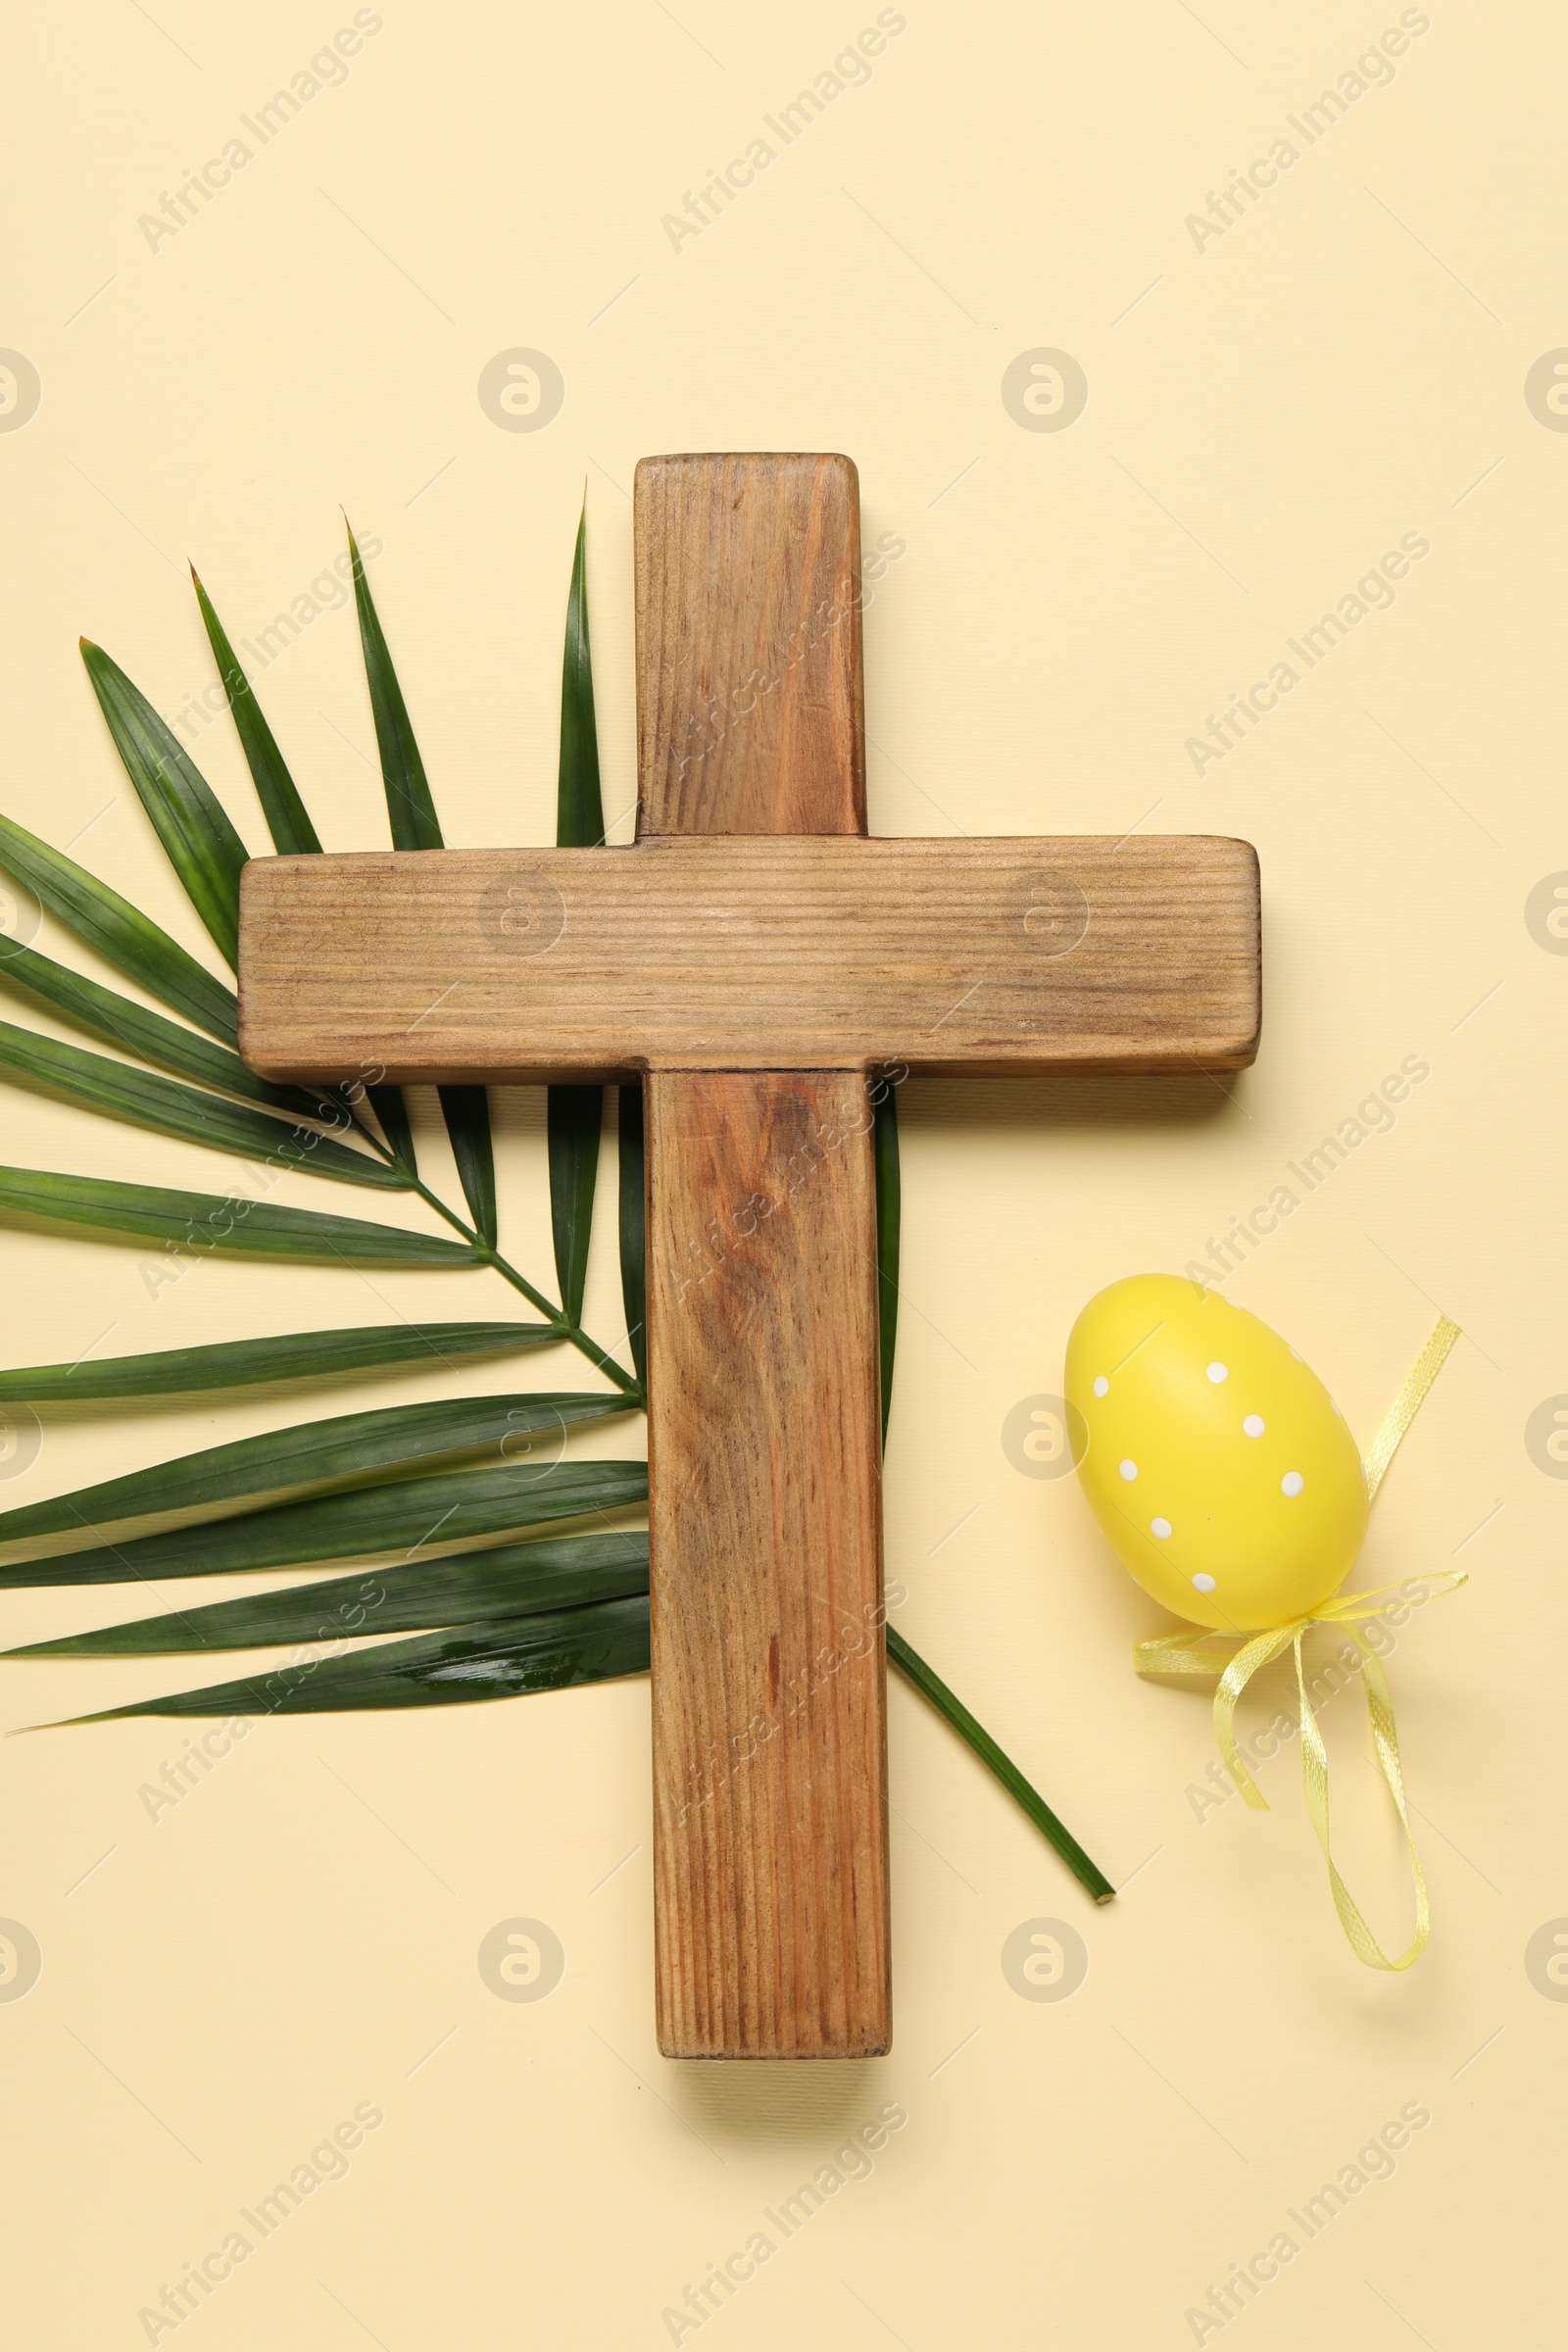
x=248, y=1363
x=409, y=808
x=519, y=1617
x=202, y=846
x=952, y=1709
x=199, y=1221
x=888, y=1197
x=579, y=803
x=410, y=814
x=574, y=1114
x=593, y=1645
x=633, y=1217
x=287, y=819
x=117, y=1021
x=125, y=938
x=470, y=1587
x=453, y=1504
x=466, y=1112
x=392, y=1443
x=392, y=1114
x=121, y=1091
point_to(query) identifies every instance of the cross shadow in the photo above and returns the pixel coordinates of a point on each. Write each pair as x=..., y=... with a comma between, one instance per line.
x=1196, y=1098
x=777, y=2100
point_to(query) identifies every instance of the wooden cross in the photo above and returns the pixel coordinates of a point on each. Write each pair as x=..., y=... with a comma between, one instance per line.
x=752, y=957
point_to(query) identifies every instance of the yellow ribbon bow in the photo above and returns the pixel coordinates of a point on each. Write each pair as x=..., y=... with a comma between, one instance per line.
x=1180, y=1654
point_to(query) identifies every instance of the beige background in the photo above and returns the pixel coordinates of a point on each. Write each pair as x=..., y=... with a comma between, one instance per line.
x=1266, y=417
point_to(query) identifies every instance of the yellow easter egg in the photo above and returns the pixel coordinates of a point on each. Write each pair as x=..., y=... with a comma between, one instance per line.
x=1216, y=1463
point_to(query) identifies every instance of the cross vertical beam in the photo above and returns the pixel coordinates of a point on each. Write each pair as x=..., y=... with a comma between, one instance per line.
x=771, y=1856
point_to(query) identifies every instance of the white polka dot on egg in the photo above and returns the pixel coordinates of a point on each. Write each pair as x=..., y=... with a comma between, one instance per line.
x=1218, y=1373
x=1101, y=1385
x=1129, y=1470
x=1292, y=1483
x=1202, y=1584
x=1254, y=1425
x=1160, y=1528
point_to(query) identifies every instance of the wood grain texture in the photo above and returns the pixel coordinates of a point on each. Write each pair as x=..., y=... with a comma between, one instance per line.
x=771, y=1855
x=773, y=954
x=770, y=1744
x=749, y=696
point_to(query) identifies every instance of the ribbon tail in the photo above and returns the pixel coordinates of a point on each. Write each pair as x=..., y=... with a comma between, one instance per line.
x=1358, y=1606
x=1316, y=1785
x=1413, y=1395
x=1246, y=1662
x=1179, y=1654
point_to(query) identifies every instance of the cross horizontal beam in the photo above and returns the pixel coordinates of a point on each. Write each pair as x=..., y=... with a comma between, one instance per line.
x=1003, y=958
